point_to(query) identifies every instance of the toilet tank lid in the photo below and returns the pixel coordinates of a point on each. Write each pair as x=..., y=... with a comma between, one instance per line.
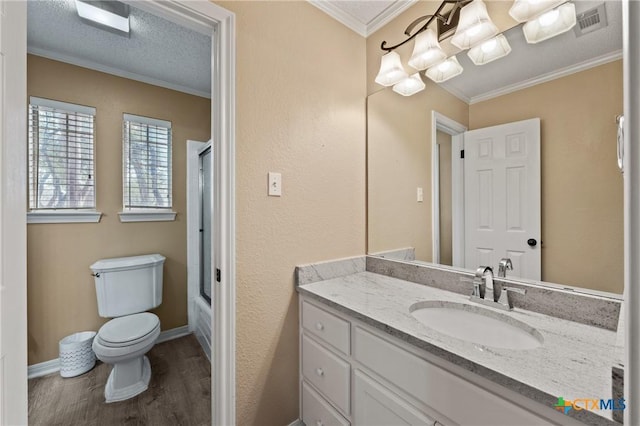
x=120, y=263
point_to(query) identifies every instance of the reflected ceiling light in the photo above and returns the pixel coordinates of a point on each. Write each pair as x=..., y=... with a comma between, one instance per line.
x=391, y=71
x=490, y=50
x=445, y=70
x=110, y=15
x=525, y=10
x=426, y=51
x=410, y=85
x=472, y=29
x=550, y=24
x=474, y=26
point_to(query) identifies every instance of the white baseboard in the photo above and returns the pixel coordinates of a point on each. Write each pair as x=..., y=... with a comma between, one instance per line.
x=43, y=368
x=53, y=366
x=174, y=333
x=296, y=422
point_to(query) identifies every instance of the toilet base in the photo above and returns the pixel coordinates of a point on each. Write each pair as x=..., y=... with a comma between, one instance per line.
x=128, y=379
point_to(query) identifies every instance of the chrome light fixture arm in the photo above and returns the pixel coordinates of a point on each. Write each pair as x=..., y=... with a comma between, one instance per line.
x=458, y=4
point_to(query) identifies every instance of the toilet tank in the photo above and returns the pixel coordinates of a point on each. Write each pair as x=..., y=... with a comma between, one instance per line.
x=128, y=285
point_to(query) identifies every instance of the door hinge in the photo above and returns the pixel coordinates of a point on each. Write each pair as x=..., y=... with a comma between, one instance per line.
x=218, y=275
x=462, y=154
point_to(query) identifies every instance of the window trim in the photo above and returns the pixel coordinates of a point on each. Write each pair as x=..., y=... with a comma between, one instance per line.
x=69, y=215
x=147, y=215
x=63, y=216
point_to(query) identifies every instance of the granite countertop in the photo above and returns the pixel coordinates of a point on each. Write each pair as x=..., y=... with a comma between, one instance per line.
x=574, y=360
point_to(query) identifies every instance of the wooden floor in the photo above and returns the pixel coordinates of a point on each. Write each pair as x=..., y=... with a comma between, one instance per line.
x=179, y=393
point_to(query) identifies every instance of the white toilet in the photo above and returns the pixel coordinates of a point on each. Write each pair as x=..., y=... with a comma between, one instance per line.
x=126, y=287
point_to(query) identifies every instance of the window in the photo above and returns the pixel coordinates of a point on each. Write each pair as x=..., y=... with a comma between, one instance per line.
x=146, y=169
x=61, y=162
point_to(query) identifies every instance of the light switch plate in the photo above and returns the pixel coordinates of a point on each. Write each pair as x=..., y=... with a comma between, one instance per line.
x=275, y=184
x=420, y=195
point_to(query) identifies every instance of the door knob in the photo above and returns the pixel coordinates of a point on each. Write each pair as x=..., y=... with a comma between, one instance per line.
x=532, y=242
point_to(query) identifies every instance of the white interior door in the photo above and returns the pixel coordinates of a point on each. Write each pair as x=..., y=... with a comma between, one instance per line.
x=502, y=197
x=13, y=231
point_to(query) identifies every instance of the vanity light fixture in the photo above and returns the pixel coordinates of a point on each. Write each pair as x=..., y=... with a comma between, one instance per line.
x=426, y=51
x=409, y=86
x=472, y=29
x=445, y=70
x=474, y=26
x=490, y=50
x=550, y=24
x=391, y=71
x=110, y=15
x=526, y=10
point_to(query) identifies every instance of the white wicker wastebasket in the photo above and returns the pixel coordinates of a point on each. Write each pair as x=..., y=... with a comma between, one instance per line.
x=76, y=354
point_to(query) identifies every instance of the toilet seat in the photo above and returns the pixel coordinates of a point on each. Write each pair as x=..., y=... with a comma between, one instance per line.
x=128, y=330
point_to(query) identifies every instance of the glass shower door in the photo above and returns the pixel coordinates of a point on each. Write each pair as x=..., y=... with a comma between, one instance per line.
x=206, y=206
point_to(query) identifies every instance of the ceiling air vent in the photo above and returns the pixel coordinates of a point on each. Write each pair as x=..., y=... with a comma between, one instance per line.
x=591, y=20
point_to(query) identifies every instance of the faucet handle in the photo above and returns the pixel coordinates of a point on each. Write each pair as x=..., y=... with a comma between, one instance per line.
x=505, y=296
x=515, y=290
x=503, y=266
x=482, y=270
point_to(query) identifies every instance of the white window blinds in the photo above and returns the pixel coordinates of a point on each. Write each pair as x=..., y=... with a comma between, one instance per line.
x=61, y=163
x=146, y=163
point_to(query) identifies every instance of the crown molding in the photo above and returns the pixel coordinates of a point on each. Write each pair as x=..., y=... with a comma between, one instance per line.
x=84, y=63
x=389, y=15
x=562, y=72
x=340, y=15
x=329, y=7
x=457, y=93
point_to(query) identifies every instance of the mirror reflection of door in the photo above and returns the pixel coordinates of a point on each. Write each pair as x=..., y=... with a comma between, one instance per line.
x=206, y=206
x=502, y=197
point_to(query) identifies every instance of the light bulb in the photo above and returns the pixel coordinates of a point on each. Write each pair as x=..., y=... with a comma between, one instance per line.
x=488, y=46
x=444, y=66
x=474, y=30
x=549, y=17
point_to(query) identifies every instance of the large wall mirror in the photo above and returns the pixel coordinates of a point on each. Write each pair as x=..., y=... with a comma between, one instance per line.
x=573, y=84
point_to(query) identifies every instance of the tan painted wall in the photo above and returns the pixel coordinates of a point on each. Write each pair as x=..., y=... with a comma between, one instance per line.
x=446, y=213
x=393, y=33
x=582, y=199
x=300, y=111
x=399, y=161
x=61, y=293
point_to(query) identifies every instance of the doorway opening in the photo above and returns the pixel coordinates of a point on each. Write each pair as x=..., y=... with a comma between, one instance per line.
x=13, y=356
x=447, y=225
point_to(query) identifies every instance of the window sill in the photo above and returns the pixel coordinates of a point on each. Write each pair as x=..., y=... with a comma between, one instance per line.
x=62, y=216
x=147, y=216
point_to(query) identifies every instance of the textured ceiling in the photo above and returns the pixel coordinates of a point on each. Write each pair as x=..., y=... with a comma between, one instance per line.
x=172, y=56
x=157, y=51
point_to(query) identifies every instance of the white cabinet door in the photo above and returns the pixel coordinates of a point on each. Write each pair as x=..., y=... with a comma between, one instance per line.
x=502, y=197
x=376, y=405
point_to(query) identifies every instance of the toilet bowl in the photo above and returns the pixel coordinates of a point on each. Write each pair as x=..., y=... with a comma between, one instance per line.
x=123, y=342
x=125, y=288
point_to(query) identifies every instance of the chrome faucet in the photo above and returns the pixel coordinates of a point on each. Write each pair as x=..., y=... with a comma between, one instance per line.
x=484, y=276
x=483, y=285
x=505, y=263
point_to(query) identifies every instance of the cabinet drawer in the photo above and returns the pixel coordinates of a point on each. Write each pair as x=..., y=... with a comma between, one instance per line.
x=376, y=405
x=318, y=412
x=437, y=388
x=327, y=372
x=326, y=326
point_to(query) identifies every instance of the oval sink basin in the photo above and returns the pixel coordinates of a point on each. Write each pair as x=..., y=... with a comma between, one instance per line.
x=476, y=325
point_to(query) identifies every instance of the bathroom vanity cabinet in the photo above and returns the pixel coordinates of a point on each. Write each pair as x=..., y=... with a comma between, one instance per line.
x=354, y=374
